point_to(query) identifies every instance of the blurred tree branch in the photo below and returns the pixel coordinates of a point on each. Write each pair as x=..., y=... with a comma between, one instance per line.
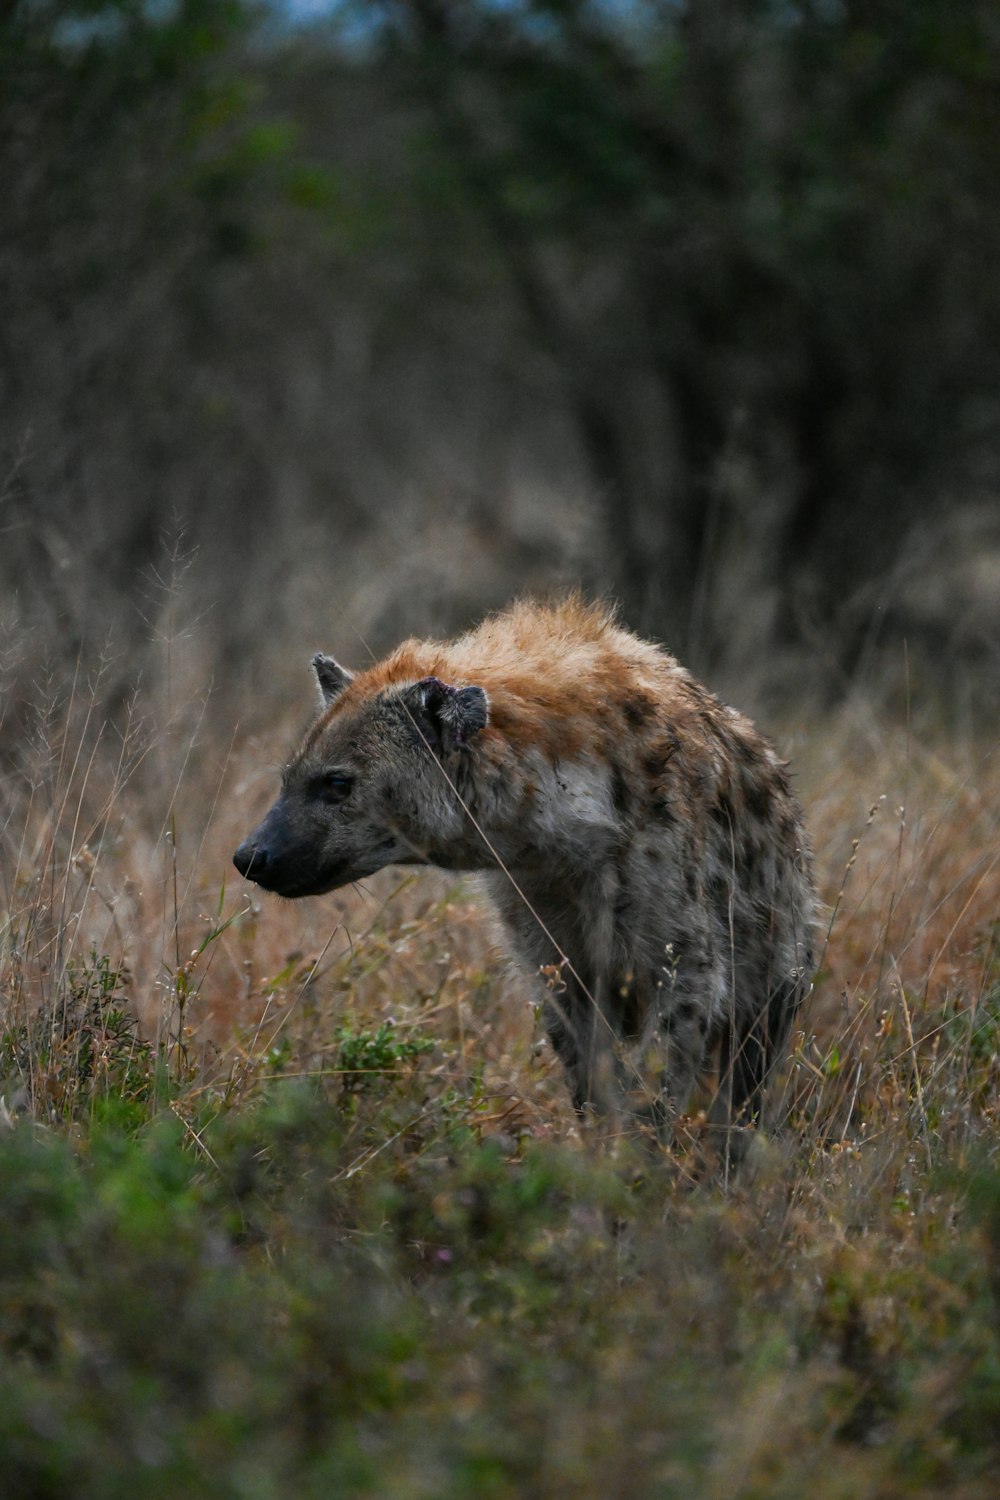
x=729, y=269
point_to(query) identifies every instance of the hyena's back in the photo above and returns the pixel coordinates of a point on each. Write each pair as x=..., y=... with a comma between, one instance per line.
x=639, y=836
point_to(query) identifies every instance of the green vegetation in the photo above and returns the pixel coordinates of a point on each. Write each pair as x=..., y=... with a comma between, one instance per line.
x=233, y=1300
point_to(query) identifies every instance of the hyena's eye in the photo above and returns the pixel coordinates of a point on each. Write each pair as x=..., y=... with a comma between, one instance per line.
x=333, y=786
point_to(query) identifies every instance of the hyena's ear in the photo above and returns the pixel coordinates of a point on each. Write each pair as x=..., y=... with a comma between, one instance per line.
x=331, y=676
x=447, y=717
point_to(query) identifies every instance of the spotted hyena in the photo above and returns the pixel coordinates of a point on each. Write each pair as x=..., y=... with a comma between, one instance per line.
x=640, y=840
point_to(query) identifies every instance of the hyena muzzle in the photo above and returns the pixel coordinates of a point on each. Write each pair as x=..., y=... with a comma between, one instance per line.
x=640, y=840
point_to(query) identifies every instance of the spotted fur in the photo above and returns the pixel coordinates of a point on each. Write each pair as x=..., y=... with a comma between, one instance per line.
x=640, y=840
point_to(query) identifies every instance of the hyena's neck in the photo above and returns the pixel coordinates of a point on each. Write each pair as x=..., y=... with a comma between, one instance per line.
x=529, y=812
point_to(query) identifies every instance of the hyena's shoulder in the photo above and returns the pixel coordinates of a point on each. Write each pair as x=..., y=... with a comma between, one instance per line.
x=563, y=679
x=566, y=683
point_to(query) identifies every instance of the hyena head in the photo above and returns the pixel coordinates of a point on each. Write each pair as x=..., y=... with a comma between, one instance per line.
x=366, y=787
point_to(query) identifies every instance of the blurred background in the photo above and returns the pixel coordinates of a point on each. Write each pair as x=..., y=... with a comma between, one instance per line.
x=321, y=323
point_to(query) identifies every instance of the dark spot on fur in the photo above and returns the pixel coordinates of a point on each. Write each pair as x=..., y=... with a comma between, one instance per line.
x=638, y=710
x=629, y=1010
x=757, y=794
x=621, y=795
x=654, y=762
x=623, y=915
x=661, y=808
x=722, y=812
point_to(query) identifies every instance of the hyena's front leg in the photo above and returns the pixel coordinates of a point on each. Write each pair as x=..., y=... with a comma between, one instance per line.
x=672, y=1053
x=645, y=1073
x=582, y=1037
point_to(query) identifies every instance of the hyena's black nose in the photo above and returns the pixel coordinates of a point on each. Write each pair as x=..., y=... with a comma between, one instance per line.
x=251, y=860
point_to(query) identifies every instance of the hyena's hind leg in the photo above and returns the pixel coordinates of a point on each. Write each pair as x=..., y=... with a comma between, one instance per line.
x=749, y=1054
x=667, y=1063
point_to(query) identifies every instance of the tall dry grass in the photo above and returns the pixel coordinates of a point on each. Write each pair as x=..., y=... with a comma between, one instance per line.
x=426, y=1247
x=117, y=839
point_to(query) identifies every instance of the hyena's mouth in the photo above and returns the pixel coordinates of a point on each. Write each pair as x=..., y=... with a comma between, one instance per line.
x=295, y=872
x=284, y=877
x=291, y=885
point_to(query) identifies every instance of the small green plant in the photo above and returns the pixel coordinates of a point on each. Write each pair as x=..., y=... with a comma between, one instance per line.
x=365, y=1055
